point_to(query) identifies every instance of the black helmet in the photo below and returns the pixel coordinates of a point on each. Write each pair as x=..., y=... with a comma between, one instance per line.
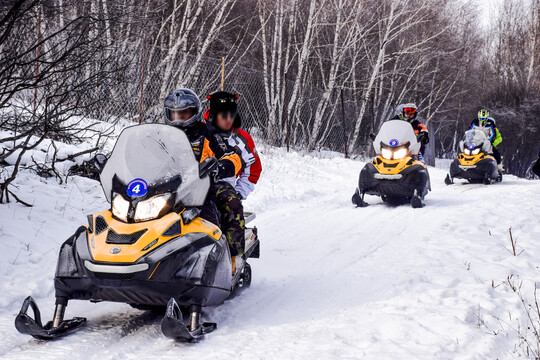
x=178, y=102
x=222, y=101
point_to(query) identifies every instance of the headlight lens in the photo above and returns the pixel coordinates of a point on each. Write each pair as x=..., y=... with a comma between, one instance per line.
x=120, y=207
x=397, y=154
x=400, y=153
x=475, y=151
x=387, y=154
x=467, y=151
x=151, y=208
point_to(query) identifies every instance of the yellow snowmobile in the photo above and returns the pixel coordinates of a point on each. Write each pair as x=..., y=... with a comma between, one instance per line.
x=475, y=162
x=150, y=249
x=395, y=174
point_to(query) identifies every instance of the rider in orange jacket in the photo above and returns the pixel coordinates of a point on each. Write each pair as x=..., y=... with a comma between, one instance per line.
x=409, y=112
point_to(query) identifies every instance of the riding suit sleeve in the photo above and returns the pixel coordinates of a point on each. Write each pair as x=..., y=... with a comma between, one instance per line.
x=252, y=165
x=498, y=138
x=420, y=128
x=215, y=146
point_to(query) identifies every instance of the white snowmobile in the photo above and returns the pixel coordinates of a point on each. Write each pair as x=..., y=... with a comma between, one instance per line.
x=395, y=174
x=475, y=162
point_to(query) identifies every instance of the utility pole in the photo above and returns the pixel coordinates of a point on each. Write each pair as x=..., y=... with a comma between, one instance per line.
x=432, y=142
x=345, y=141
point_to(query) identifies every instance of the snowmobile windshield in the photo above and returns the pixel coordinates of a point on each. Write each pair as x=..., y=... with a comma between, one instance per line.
x=394, y=134
x=151, y=158
x=475, y=138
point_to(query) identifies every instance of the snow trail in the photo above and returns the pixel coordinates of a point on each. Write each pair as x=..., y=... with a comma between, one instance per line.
x=333, y=281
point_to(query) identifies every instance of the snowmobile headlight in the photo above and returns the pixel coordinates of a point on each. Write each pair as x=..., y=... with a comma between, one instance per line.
x=120, y=207
x=475, y=151
x=387, y=154
x=151, y=208
x=401, y=153
x=467, y=151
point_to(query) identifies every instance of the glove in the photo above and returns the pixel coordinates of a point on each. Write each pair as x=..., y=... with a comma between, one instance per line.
x=423, y=137
x=208, y=167
x=220, y=171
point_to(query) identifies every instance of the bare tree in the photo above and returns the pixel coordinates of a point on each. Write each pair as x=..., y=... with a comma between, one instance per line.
x=46, y=80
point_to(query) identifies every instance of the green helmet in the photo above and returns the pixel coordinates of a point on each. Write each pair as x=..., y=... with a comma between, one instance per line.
x=483, y=115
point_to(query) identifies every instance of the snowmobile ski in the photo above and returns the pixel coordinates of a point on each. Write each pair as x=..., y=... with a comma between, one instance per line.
x=416, y=200
x=174, y=328
x=27, y=325
x=358, y=199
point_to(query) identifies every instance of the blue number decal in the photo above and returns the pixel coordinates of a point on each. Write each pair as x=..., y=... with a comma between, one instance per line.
x=137, y=187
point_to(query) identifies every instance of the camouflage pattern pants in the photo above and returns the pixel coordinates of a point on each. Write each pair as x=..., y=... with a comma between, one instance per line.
x=232, y=217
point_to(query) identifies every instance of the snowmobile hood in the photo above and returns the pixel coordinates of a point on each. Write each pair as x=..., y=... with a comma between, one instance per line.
x=474, y=138
x=396, y=133
x=151, y=154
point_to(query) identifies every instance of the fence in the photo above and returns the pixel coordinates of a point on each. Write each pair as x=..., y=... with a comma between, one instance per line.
x=139, y=97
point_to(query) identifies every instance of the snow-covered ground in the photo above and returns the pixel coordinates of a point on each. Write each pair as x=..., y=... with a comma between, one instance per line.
x=333, y=281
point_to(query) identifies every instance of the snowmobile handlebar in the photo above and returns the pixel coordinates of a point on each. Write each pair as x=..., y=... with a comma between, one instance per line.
x=208, y=167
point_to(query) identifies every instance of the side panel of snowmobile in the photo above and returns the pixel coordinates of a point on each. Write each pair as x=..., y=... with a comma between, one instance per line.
x=189, y=262
x=394, y=177
x=474, y=167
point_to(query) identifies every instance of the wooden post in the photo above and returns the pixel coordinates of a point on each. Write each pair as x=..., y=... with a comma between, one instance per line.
x=222, y=73
x=142, y=82
x=345, y=141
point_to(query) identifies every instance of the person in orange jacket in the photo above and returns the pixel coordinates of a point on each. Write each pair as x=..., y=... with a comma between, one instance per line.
x=223, y=116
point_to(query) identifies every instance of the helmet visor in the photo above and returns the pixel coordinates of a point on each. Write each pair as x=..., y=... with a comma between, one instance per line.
x=177, y=116
x=227, y=114
x=410, y=110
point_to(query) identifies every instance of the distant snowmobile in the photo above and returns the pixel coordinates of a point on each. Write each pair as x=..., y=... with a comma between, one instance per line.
x=475, y=162
x=395, y=174
x=151, y=249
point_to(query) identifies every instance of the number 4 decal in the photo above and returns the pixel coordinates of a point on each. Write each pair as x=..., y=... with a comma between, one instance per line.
x=136, y=188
